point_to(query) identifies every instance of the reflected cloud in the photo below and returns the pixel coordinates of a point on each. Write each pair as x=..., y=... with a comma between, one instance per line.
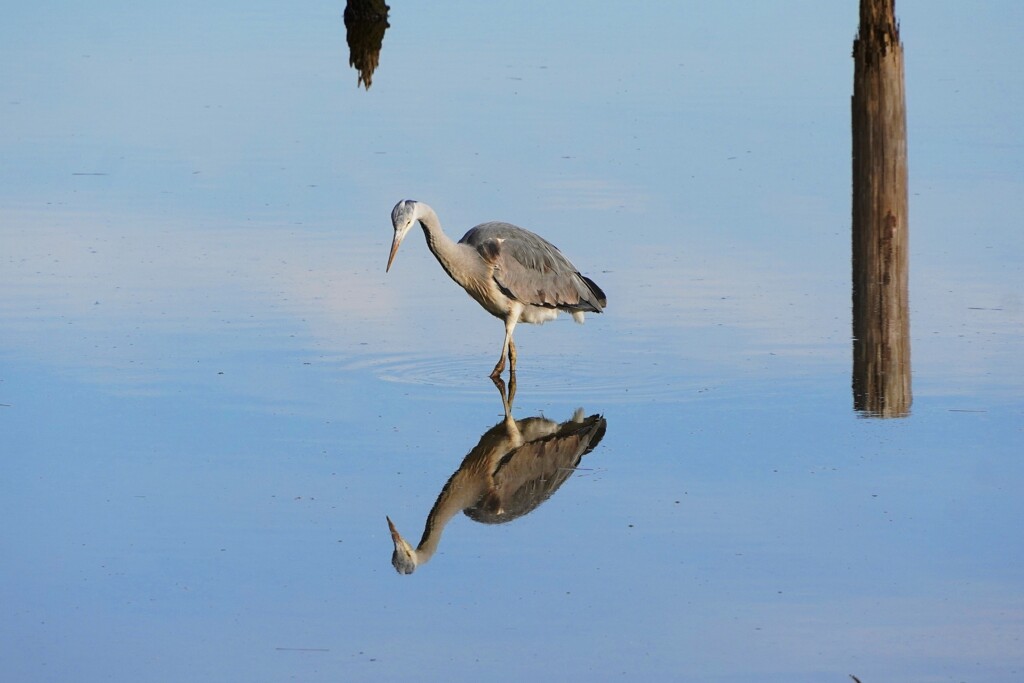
x=143, y=304
x=592, y=194
x=515, y=467
x=365, y=24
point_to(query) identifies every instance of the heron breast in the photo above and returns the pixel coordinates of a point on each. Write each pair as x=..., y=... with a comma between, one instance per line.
x=490, y=297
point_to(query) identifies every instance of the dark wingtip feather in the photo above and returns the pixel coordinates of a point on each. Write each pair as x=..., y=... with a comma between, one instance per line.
x=601, y=298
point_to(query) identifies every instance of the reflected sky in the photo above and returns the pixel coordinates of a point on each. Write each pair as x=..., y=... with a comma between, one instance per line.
x=211, y=395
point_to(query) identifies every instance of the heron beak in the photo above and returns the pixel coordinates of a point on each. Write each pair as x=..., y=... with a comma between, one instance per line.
x=394, y=250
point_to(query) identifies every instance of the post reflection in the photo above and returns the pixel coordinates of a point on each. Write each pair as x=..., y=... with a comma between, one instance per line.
x=516, y=466
x=881, y=315
x=365, y=24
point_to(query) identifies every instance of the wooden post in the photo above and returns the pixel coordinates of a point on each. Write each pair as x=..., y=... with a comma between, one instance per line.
x=881, y=315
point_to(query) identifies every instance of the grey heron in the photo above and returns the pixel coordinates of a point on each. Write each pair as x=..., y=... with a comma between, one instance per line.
x=516, y=466
x=514, y=274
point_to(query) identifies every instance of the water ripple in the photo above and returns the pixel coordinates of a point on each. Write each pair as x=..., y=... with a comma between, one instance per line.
x=616, y=381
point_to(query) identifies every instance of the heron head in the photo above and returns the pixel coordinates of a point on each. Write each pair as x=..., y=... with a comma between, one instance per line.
x=403, y=217
x=404, y=557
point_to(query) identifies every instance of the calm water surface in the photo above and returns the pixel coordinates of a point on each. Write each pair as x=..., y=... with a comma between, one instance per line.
x=211, y=395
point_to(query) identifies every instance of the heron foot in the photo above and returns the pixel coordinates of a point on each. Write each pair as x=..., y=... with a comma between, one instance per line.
x=499, y=368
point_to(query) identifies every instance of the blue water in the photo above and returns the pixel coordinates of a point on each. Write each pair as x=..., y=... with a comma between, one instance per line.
x=211, y=394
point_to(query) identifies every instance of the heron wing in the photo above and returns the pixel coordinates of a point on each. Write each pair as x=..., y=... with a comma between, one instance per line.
x=530, y=269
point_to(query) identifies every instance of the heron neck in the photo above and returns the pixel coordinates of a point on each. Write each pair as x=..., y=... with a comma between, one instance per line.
x=456, y=259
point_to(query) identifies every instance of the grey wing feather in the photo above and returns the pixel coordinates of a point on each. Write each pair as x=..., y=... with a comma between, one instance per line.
x=530, y=269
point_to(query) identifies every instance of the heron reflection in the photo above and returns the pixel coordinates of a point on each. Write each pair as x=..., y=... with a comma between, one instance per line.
x=516, y=466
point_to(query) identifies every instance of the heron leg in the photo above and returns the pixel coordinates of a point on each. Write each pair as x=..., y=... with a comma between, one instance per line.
x=507, y=349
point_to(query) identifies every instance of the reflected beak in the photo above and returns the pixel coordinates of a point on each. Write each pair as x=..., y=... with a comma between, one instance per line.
x=394, y=250
x=404, y=558
x=395, y=536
